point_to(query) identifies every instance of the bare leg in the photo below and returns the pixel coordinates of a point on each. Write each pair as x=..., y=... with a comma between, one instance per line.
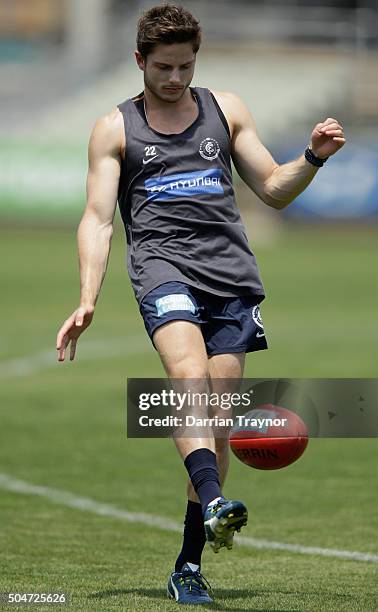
x=183, y=354
x=221, y=368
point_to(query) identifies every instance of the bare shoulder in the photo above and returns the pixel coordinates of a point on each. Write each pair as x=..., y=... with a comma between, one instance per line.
x=234, y=109
x=108, y=134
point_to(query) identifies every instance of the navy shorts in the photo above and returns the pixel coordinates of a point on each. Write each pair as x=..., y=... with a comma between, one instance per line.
x=228, y=324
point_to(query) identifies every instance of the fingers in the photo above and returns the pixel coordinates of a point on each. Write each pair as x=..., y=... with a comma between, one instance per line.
x=62, y=348
x=63, y=337
x=335, y=134
x=63, y=331
x=71, y=329
x=328, y=122
x=73, y=349
x=333, y=129
x=329, y=125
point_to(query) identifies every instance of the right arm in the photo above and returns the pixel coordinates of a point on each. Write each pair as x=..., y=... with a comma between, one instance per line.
x=96, y=226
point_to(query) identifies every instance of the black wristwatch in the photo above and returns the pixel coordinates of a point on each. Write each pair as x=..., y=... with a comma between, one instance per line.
x=315, y=161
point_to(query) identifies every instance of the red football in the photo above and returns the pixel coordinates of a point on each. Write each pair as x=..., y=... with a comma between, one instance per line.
x=268, y=437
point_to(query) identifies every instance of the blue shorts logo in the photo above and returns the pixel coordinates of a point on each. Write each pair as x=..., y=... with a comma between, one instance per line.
x=187, y=184
x=174, y=301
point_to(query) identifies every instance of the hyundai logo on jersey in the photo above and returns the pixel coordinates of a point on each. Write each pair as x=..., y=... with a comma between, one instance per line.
x=187, y=184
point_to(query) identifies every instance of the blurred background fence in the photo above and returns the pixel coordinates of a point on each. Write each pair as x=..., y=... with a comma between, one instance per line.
x=295, y=62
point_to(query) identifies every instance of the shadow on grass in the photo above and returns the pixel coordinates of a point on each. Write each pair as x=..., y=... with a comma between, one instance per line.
x=220, y=594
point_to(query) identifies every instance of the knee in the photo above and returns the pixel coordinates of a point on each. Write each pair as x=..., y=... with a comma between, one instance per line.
x=189, y=368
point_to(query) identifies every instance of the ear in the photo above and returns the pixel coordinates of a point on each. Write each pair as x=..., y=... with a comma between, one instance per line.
x=140, y=60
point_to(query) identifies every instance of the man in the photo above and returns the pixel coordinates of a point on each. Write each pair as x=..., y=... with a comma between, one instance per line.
x=166, y=156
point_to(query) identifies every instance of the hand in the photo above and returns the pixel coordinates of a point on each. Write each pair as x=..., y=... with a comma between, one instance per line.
x=327, y=138
x=71, y=330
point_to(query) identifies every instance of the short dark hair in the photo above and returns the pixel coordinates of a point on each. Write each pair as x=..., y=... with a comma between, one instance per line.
x=167, y=24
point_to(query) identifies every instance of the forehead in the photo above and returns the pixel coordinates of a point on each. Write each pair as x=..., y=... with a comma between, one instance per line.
x=177, y=53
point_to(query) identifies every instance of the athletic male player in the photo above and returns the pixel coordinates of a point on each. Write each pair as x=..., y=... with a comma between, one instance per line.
x=165, y=155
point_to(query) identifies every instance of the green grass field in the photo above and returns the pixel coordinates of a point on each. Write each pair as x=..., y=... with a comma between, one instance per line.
x=63, y=427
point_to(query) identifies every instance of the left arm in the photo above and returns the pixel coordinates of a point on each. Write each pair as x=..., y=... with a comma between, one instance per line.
x=277, y=185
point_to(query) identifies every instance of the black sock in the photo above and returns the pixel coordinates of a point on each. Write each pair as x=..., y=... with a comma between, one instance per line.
x=194, y=537
x=203, y=472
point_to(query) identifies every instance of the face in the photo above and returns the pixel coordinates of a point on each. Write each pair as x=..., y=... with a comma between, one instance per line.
x=168, y=70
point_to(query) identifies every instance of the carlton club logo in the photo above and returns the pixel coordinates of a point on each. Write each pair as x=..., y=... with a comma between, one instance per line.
x=209, y=149
x=256, y=316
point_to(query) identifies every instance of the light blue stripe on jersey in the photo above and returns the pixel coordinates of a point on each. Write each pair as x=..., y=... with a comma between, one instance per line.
x=187, y=184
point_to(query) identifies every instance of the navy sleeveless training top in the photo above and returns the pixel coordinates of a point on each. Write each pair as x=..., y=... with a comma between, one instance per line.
x=177, y=203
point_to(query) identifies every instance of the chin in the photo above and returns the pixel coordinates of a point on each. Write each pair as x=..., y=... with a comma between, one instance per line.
x=173, y=96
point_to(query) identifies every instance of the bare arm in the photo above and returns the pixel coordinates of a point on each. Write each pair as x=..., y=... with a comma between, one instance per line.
x=96, y=226
x=277, y=185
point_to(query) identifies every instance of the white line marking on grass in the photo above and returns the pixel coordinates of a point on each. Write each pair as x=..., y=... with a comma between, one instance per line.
x=89, y=350
x=307, y=550
x=86, y=504
x=65, y=498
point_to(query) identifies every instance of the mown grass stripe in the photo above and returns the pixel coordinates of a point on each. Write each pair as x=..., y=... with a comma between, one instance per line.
x=86, y=504
x=89, y=350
